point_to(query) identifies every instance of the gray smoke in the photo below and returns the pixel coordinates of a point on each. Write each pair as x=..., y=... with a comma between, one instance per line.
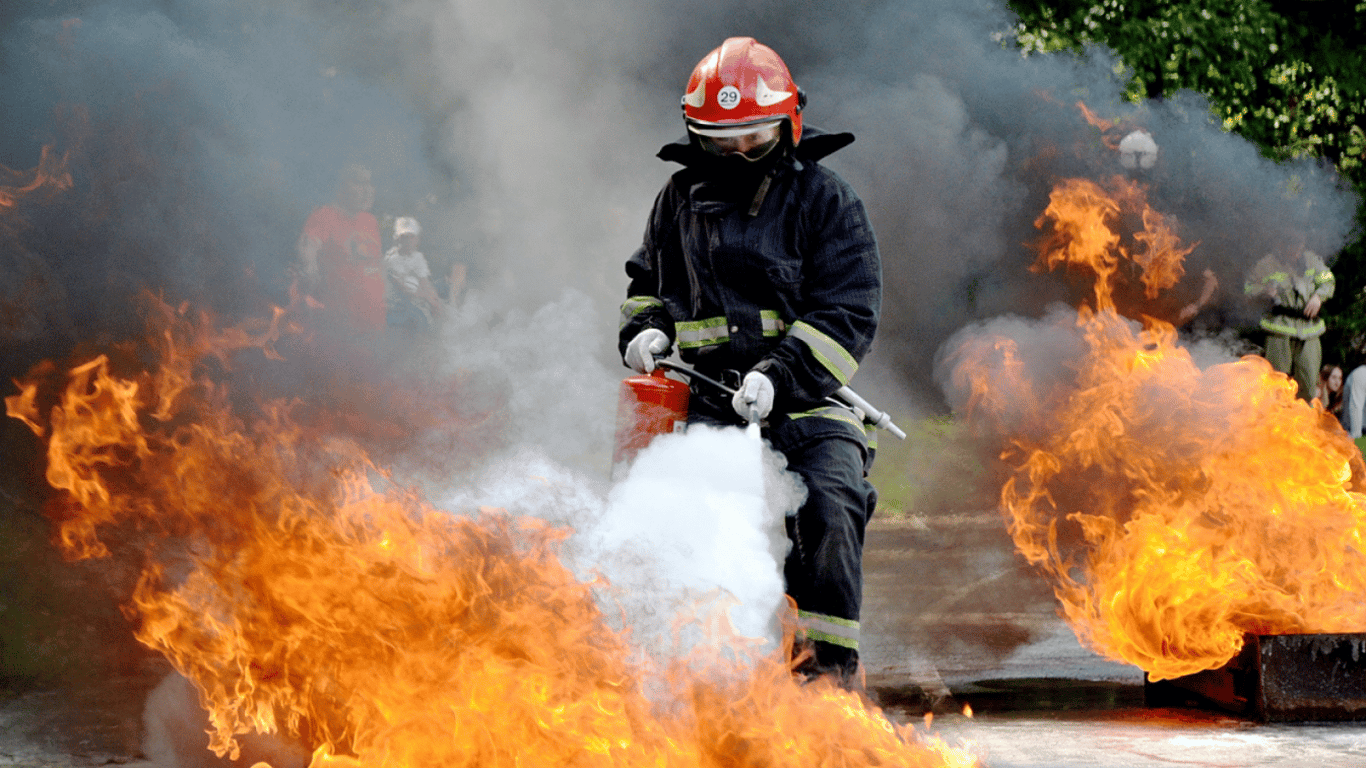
x=522, y=135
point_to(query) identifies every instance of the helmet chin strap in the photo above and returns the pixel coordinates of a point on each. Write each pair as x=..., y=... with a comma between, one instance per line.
x=760, y=194
x=772, y=158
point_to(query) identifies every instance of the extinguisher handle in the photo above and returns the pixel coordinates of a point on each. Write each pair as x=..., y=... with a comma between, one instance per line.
x=686, y=371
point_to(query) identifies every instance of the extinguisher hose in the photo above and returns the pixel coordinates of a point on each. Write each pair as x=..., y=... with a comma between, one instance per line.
x=690, y=373
x=846, y=398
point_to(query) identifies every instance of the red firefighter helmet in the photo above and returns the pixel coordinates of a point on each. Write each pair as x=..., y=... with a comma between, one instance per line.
x=740, y=87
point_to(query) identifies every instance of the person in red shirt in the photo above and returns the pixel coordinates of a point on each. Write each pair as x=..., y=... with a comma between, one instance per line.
x=340, y=265
x=340, y=261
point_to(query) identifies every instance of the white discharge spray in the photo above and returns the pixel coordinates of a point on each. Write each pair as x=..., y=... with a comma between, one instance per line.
x=697, y=522
x=696, y=526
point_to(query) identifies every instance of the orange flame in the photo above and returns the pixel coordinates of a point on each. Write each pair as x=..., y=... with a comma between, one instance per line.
x=51, y=175
x=1177, y=509
x=1108, y=132
x=1082, y=223
x=304, y=593
x=1093, y=118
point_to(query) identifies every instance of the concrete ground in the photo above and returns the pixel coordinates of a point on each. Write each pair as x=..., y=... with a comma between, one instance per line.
x=952, y=621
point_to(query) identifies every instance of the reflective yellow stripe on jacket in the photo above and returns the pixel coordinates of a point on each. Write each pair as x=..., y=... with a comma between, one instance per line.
x=1297, y=327
x=831, y=412
x=694, y=334
x=827, y=351
x=634, y=305
x=841, y=414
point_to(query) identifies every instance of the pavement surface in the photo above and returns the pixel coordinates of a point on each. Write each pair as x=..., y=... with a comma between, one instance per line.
x=953, y=622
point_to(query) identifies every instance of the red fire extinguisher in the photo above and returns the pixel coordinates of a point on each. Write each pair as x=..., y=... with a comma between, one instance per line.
x=650, y=405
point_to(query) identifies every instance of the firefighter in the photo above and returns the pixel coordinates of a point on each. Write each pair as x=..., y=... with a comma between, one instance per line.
x=1296, y=289
x=1141, y=160
x=760, y=265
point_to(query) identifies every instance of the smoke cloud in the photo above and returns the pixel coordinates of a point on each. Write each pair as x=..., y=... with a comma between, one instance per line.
x=523, y=135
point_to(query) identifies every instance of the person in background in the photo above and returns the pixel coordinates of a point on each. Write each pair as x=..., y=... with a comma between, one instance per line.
x=339, y=264
x=760, y=264
x=456, y=278
x=1140, y=159
x=411, y=300
x=1295, y=287
x=1329, y=390
x=1353, y=416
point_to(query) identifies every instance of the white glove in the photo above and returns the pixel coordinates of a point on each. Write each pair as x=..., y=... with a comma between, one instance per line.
x=755, y=394
x=641, y=351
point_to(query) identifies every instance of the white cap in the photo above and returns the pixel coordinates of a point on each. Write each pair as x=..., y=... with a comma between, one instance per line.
x=406, y=225
x=1138, y=150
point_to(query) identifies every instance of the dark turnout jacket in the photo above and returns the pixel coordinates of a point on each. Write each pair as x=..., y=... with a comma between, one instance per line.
x=790, y=285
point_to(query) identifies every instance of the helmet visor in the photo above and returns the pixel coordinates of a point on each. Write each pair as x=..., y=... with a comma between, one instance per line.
x=752, y=141
x=732, y=130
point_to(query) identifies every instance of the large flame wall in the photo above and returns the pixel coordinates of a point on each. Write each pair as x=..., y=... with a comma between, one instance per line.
x=302, y=598
x=1177, y=507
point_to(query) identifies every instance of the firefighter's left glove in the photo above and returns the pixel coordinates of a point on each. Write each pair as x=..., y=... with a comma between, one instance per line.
x=641, y=351
x=755, y=395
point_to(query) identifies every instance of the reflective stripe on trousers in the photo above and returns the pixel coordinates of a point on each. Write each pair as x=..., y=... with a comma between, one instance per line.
x=828, y=629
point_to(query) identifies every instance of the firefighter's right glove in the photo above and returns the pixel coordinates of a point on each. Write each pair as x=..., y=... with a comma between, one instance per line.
x=641, y=351
x=755, y=395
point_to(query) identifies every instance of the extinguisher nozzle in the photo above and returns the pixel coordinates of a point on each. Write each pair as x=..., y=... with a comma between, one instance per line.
x=752, y=429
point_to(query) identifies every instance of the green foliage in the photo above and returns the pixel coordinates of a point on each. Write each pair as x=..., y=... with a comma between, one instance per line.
x=1292, y=87
x=1288, y=76
x=1221, y=45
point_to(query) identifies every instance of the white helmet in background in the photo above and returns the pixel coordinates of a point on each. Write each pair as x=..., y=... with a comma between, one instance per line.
x=1138, y=151
x=406, y=225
